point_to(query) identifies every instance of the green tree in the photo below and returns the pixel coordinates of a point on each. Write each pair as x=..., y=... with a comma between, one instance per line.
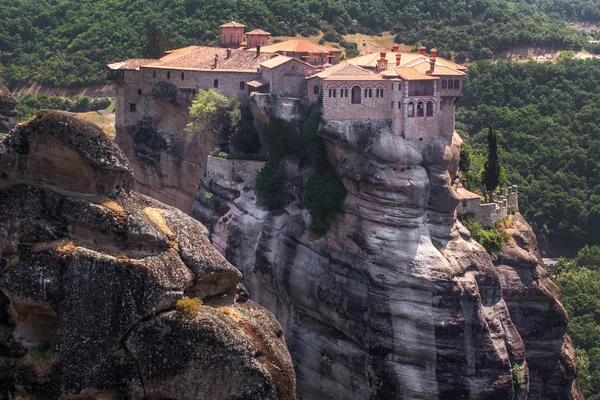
x=155, y=44
x=491, y=175
x=213, y=112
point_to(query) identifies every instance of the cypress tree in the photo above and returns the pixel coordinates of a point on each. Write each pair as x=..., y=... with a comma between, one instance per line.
x=491, y=173
x=155, y=44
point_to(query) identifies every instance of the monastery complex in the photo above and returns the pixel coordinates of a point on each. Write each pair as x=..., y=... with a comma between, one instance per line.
x=415, y=91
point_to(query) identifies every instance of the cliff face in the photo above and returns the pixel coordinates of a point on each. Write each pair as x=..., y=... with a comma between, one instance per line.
x=167, y=164
x=91, y=274
x=396, y=300
x=8, y=115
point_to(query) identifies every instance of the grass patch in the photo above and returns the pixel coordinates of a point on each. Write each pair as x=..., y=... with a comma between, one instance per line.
x=188, y=307
x=516, y=374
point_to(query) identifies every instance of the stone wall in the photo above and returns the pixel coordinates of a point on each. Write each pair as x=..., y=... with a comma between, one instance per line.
x=288, y=79
x=236, y=171
x=489, y=213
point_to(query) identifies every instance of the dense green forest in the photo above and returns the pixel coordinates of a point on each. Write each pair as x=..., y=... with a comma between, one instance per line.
x=547, y=116
x=579, y=283
x=67, y=42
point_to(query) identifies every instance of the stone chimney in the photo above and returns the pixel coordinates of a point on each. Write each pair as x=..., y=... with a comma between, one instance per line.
x=423, y=50
x=228, y=54
x=216, y=63
x=432, y=59
x=257, y=51
x=395, y=48
x=382, y=63
x=398, y=59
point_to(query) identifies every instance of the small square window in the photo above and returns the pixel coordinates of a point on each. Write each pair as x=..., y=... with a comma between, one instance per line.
x=132, y=107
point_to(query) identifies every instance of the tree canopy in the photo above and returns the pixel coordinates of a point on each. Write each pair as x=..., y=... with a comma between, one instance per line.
x=547, y=116
x=67, y=42
x=579, y=283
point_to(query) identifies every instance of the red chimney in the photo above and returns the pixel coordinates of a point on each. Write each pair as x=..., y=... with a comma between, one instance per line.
x=423, y=50
x=398, y=58
x=432, y=59
x=395, y=48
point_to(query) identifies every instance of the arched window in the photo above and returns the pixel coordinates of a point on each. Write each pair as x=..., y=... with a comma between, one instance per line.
x=411, y=109
x=420, y=110
x=456, y=84
x=356, y=95
x=216, y=83
x=242, y=85
x=444, y=84
x=429, y=110
x=316, y=90
x=450, y=85
x=332, y=92
x=182, y=76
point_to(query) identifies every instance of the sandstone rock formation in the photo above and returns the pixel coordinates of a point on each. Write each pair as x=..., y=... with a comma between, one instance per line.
x=8, y=115
x=91, y=273
x=167, y=164
x=397, y=301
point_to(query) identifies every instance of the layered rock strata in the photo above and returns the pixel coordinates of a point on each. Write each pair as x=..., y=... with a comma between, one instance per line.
x=397, y=301
x=91, y=275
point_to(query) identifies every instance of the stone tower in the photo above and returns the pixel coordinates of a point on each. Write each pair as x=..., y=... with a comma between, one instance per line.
x=256, y=38
x=232, y=34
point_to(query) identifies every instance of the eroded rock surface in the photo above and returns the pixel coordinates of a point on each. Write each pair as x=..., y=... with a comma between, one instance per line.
x=90, y=275
x=8, y=115
x=397, y=301
x=167, y=164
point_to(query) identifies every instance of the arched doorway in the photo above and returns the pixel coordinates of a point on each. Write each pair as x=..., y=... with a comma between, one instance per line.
x=356, y=95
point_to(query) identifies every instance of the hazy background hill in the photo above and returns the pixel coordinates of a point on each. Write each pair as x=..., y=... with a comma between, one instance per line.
x=67, y=42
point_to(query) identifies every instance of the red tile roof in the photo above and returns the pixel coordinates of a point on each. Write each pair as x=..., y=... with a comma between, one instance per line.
x=464, y=194
x=198, y=57
x=232, y=24
x=258, y=32
x=297, y=46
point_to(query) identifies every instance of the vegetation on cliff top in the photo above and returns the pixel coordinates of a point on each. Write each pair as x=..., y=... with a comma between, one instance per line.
x=547, y=116
x=67, y=42
x=579, y=283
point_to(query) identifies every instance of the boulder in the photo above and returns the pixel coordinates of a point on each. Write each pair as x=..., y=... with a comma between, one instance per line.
x=92, y=274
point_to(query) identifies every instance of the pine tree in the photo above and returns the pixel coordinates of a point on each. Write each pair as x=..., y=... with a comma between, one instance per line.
x=155, y=44
x=491, y=173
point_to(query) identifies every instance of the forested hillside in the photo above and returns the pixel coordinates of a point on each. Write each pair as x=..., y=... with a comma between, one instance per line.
x=547, y=116
x=66, y=42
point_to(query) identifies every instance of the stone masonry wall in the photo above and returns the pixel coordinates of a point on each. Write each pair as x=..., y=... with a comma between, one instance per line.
x=489, y=213
x=234, y=170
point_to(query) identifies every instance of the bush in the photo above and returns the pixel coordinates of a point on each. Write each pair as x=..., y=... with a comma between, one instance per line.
x=492, y=238
x=324, y=197
x=516, y=374
x=271, y=186
x=43, y=350
x=188, y=307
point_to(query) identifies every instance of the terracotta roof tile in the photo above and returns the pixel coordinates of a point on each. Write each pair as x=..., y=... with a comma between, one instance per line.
x=132, y=63
x=275, y=61
x=232, y=24
x=297, y=46
x=258, y=32
x=464, y=194
x=198, y=57
x=343, y=68
x=409, y=74
x=372, y=77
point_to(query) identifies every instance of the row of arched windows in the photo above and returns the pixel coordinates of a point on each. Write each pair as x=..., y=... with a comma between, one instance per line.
x=422, y=109
x=356, y=93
